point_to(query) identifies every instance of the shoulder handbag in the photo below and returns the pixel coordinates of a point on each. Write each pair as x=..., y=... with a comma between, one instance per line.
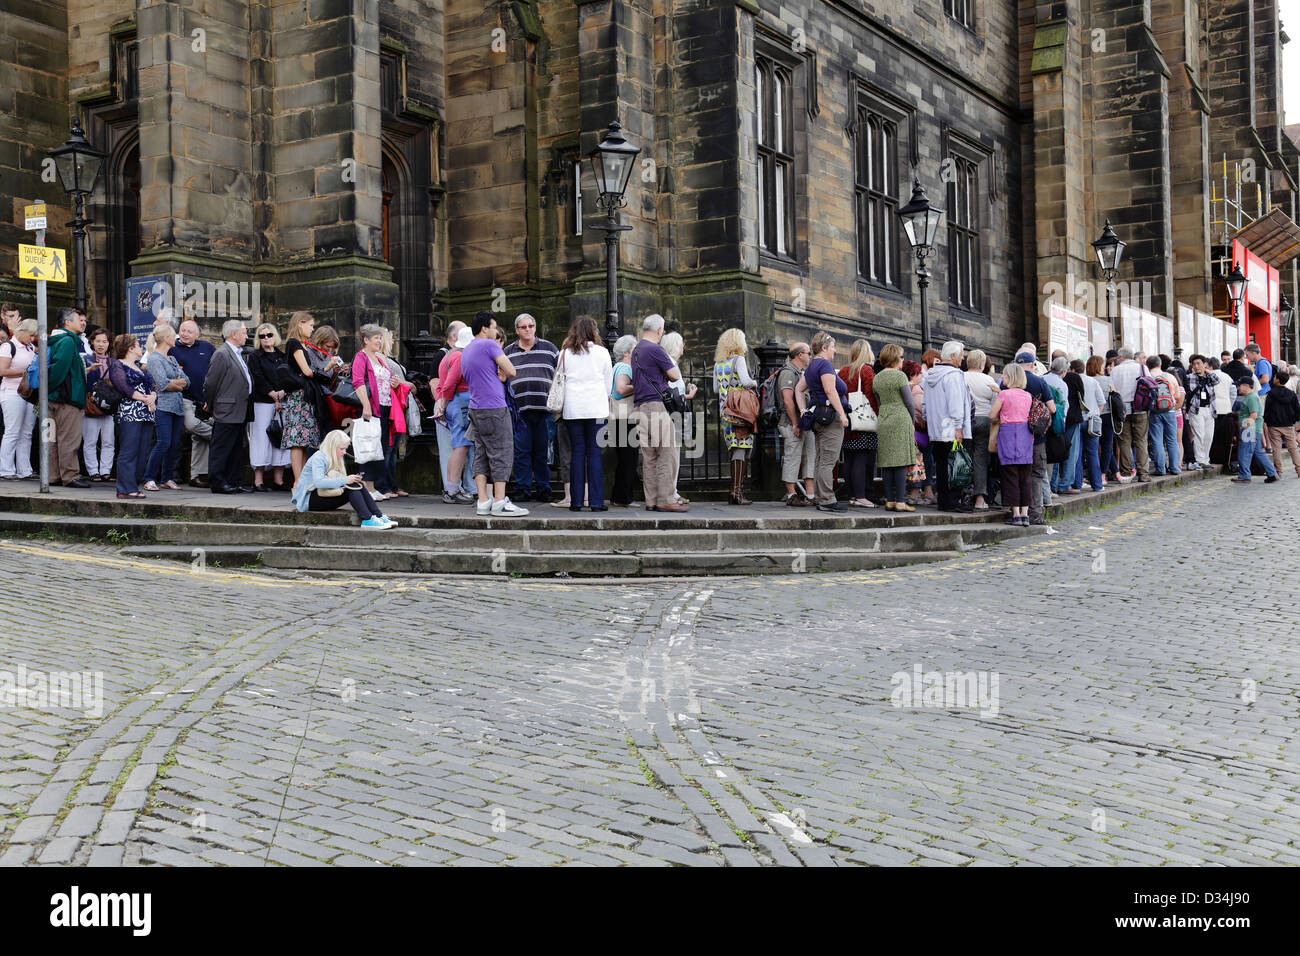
x=555, y=397
x=862, y=417
x=1040, y=419
x=320, y=362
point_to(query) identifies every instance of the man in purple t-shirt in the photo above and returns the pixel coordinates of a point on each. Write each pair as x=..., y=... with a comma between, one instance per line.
x=652, y=370
x=485, y=368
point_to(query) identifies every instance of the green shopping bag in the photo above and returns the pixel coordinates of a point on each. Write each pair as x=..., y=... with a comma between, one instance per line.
x=961, y=469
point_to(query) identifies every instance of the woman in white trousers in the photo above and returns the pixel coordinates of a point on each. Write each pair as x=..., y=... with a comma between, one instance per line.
x=19, y=414
x=97, y=431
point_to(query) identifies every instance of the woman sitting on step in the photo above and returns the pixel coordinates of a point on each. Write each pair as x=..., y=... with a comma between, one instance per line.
x=325, y=484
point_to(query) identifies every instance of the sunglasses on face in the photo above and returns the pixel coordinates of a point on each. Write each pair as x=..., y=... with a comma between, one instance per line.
x=266, y=335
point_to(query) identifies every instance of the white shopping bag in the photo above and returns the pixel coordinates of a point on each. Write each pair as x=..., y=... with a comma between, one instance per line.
x=366, y=442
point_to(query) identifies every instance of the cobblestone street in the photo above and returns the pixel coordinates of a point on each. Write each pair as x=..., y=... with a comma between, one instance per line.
x=1141, y=662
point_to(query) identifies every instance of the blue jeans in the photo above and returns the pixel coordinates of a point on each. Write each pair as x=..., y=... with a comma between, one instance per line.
x=133, y=441
x=585, y=474
x=1063, y=471
x=166, y=452
x=1164, y=442
x=532, y=444
x=1090, y=460
x=1106, y=446
x=1248, y=451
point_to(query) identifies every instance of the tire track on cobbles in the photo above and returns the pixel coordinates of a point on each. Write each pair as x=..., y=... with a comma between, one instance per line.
x=665, y=722
x=140, y=736
x=1122, y=737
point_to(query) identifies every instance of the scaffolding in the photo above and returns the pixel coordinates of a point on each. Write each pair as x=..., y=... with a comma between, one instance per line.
x=1228, y=213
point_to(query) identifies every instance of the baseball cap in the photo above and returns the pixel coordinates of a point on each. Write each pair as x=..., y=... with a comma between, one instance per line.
x=1025, y=358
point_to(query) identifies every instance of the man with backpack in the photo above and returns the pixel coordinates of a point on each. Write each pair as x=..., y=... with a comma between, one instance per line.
x=1133, y=434
x=798, y=447
x=1162, y=414
x=67, y=397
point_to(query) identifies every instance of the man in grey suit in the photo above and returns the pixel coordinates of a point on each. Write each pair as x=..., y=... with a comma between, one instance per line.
x=227, y=390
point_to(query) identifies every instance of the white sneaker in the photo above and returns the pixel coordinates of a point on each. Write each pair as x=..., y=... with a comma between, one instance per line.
x=505, y=508
x=390, y=521
x=1125, y=479
x=483, y=508
x=379, y=496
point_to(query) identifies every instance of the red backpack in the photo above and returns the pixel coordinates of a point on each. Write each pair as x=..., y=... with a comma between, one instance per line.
x=1144, y=395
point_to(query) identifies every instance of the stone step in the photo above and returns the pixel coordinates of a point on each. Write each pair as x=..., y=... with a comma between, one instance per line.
x=432, y=513
x=614, y=541
x=574, y=564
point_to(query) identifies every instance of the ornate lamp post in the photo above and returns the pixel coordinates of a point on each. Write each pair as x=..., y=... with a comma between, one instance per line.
x=1110, y=250
x=611, y=164
x=78, y=164
x=1236, y=283
x=920, y=222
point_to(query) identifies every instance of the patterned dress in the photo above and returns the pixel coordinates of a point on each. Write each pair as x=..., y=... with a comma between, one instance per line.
x=128, y=381
x=300, y=427
x=725, y=378
x=897, y=447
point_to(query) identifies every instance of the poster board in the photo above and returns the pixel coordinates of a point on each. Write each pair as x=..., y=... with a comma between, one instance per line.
x=1102, y=337
x=1069, y=331
x=1186, y=330
x=1165, y=335
x=1150, y=332
x=1130, y=327
x=1209, y=337
x=146, y=296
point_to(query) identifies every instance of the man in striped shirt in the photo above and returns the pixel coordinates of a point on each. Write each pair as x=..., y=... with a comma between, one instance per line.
x=534, y=360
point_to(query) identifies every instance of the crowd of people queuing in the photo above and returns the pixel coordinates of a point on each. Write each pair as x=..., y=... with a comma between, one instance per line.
x=504, y=411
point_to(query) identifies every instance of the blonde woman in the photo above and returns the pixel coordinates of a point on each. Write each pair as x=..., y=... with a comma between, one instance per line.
x=324, y=472
x=860, y=447
x=730, y=372
x=265, y=366
x=301, y=428
x=169, y=415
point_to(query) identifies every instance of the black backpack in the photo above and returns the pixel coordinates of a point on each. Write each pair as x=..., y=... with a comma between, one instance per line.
x=1116, y=411
x=770, y=409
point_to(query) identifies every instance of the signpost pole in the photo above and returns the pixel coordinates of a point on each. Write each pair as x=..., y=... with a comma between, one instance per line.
x=43, y=357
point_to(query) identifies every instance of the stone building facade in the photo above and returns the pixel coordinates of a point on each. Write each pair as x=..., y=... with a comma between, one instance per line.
x=411, y=161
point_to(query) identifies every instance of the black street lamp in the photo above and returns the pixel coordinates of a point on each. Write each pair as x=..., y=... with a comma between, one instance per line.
x=1236, y=283
x=78, y=165
x=920, y=222
x=611, y=164
x=1110, y=250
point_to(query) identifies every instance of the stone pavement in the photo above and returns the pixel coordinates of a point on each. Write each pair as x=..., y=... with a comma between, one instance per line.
x=1139, y=666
